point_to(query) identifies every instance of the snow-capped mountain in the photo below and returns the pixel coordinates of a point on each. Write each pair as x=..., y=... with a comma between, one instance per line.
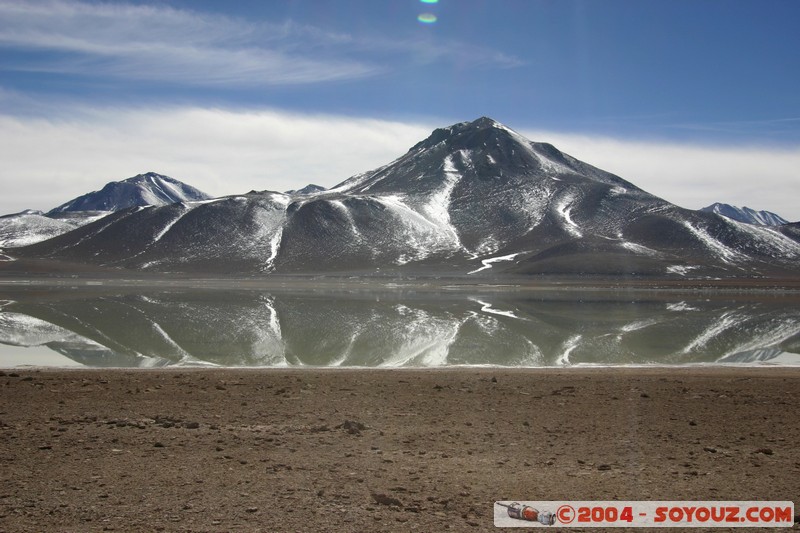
x=745, y=214
x=144, y=189
x=30, y=226
x=474, y=198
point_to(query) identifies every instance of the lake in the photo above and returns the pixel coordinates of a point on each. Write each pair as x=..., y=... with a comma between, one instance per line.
x=355, y=326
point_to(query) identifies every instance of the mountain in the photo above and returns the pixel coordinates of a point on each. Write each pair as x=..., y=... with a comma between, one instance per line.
x=475, y=198
x=746, y=215
x=141, y=190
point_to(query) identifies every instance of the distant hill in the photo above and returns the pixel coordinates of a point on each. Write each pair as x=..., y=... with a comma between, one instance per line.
x=144, y=189
x=745, y=214
x=29, y=227
x=308, y=189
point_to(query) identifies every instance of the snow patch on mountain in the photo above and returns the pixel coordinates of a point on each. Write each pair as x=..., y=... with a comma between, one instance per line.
x=487, y=246
x=437, y=208
x=533, y=201
x=270, y=223
x=201, y=202
x=338, y=204
x=155, y=190
x=640, y=249
x=681, y=270
x=727, y=254
x=564, y=209
x=284, y=199
x=425, y=233
x=274, y=248
x=777, y=243
x=184, y=209
x=487, y=263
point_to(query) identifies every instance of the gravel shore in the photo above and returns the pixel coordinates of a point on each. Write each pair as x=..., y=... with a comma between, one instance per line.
x=381, y=450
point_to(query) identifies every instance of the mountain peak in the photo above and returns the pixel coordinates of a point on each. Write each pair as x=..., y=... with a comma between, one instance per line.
x=485, y=122
x=474, y=131
x=143, y=189
x=478, y=124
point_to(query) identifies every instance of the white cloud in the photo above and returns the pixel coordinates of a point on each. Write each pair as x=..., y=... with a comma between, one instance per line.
x=47, y=161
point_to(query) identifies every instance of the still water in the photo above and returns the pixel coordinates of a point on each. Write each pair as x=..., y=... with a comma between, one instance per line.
x=392, y=328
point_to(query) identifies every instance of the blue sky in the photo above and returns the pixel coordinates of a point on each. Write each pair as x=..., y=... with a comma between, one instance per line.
x=694, y=100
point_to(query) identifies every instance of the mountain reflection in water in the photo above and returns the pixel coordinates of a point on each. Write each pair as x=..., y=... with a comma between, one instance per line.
x=374, y=329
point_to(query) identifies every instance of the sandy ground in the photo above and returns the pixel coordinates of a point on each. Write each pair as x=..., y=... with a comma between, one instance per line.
x=370, y=450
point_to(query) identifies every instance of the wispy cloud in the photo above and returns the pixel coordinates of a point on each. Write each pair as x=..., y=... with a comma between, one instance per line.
x=158, y=43
x=166, y=44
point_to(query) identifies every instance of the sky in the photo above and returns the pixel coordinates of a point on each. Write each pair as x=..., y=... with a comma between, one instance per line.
x=696, y=101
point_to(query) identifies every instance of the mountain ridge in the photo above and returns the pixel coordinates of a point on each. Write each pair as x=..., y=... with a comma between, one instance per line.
x=475, y=198
x=745, y=214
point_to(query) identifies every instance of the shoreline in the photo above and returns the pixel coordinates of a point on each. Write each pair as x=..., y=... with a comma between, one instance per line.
x=566, y=369
x=297, y=449
x=434, y=283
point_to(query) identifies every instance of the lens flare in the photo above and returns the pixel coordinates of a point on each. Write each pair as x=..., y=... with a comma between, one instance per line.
x=429, y=1
x=427, y=18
